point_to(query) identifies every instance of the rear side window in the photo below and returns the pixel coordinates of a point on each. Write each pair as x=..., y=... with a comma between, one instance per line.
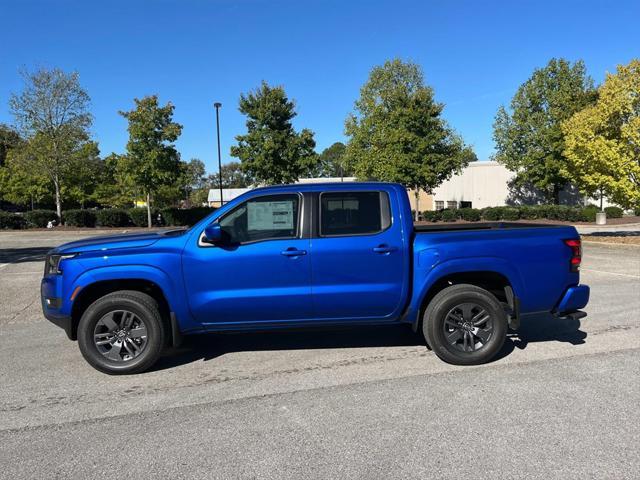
x=353, y=213
x=262, y=218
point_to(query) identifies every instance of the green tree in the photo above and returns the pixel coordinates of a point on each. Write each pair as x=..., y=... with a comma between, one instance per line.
x=115, y=188
x=9, y=139
x=602, y=143
x=397, y=134
x=192, y=178
x=529, y=138
x=271, y=151
x=154, y=161
x=332, y=162
x=86, y=173
x=232, y=177
x=20, y=183
x=52, y=114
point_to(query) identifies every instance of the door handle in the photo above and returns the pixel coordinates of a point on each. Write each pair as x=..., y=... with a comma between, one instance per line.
x=293, y=252
x=384, y=249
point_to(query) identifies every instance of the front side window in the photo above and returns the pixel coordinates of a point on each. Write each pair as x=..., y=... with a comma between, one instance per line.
x=262, y=218
x=353, y=213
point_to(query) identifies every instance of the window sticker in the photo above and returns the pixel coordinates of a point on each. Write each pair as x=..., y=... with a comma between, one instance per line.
x=270, y=215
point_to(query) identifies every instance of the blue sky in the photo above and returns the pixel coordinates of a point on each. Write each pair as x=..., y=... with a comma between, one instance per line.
x=194, y=52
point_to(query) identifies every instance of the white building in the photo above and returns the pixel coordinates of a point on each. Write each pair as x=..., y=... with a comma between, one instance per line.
x=481, y=184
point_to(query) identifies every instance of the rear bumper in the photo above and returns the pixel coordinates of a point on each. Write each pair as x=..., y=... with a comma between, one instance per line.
x=573, y=300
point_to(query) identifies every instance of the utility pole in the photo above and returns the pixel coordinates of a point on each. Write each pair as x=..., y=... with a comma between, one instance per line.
x=217, y=106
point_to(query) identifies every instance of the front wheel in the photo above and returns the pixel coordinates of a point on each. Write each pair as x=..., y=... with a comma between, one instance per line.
x=121, y=333
x=465, y=325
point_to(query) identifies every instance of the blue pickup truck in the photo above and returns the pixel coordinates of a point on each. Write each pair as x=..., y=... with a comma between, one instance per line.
x=311, y=255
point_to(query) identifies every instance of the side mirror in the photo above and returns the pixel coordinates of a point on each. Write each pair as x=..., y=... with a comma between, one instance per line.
x=213, y=233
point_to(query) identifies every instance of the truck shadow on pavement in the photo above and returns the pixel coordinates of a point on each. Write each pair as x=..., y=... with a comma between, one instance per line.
x=19, y=255
x=543, y=328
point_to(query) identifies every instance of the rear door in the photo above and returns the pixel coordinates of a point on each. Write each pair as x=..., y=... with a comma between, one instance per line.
x=357, y=260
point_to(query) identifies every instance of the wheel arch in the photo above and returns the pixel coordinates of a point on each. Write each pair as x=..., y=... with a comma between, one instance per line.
x=93, y=291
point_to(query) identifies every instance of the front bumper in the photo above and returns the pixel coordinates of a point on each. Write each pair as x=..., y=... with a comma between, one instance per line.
x=51, y=301
x=62, y=321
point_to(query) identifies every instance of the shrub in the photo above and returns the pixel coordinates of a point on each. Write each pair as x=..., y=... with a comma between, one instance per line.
x=613, y=212
x=492, y=213
x=11, y=221
x=636, y=211
x=138, y=216
x=431, y=216
x=39, y=218
x=510, y=213
x=469, y=214
x=177, y=217
x=529, y=213
x=449, y=215
x=79, y=218
x=113, y=217
x=588, y=213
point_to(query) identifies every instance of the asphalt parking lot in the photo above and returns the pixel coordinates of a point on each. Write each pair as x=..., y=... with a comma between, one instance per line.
x=560, y=402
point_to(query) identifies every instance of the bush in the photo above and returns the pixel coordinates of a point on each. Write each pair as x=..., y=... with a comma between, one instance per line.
x=431, y=216
x=529, y=213
x=492, y=213
x=79, y=218
x=449, y=215
x=11, y=221
x=39, y=218
x=113, y=217
x=613, y=212
x=177, y=217
x=588, y=213
x=138, y=216
x=469, y=214
x=636, y=211
x=510, y=213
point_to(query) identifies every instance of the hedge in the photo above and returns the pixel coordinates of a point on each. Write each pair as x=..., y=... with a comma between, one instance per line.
x=11, y=221
x=177, y=217
x=39, y=218
x=113, y=217
x=138, y=216
x=613, y=212
x=525, y=212
x=79, y=218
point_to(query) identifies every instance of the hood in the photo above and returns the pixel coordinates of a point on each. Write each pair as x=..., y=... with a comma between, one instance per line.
x=112, y=242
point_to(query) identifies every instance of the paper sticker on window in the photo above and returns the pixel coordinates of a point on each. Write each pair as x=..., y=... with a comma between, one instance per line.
x=270, y=215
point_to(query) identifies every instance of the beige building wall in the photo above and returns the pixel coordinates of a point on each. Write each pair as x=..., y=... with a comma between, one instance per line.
x=425, y=201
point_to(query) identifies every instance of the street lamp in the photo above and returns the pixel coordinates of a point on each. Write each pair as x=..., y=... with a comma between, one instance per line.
x=217, y=106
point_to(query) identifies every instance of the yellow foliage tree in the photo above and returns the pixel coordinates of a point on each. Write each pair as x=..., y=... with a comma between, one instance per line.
x=603, y=141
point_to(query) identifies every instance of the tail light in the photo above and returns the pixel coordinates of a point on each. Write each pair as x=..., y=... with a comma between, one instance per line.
x=576, y=257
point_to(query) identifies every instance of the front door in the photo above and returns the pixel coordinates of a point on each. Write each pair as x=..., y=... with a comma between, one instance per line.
x=261, y=271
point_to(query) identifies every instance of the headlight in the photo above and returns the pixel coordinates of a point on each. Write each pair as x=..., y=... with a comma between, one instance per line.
x=52, y=264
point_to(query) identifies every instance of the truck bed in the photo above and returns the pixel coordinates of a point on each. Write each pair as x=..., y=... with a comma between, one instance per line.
x=452, y=227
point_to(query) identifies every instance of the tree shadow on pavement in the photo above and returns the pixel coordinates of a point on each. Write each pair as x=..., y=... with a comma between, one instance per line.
x=541, y=328
x=20, y=255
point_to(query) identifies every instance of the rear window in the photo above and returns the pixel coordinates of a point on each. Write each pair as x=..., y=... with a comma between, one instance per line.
x=353, y=213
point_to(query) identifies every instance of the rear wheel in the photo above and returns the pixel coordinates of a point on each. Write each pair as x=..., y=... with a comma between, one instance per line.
x=465, y=325
x=122, y=332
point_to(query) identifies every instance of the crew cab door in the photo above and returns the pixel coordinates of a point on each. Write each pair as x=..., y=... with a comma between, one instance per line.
x=358, y=257
x=260, y=272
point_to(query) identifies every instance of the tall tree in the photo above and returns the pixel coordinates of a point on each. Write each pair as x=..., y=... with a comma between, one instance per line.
x=529, y=138
x=154, y=160
x=271, y=151
x=86, y=171
x=9, y=139
x=52, y=114
x=22, y=184
x=602, y=142
x=332, y=162
x=116, y=187
x=232, y=177
x=192, y=177
x=397, y=133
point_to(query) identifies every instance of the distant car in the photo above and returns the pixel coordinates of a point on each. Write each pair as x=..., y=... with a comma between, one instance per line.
x=310, y=255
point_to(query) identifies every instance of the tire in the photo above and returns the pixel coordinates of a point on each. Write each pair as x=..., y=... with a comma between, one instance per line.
x=465, y=325
x=106, y=342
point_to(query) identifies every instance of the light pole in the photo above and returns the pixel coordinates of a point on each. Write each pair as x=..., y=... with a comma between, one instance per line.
x=217, y=106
